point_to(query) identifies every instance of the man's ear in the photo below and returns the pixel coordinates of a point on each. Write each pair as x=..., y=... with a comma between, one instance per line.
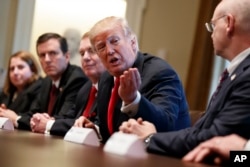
x=230, y=24
x=67, y=56
x=134, y=43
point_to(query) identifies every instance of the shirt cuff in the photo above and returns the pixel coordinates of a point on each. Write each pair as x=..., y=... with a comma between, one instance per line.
x=16, y=121
x=98, y=132
x=247, y=146
x=49, y=124
x=132, y=108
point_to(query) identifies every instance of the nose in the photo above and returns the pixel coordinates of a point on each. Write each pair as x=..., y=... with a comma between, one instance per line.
x=15, y=71
x=86, y=56
x=109, y=49
x=47, y=57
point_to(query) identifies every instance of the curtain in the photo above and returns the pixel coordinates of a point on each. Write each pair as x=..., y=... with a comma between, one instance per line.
x=202, y=58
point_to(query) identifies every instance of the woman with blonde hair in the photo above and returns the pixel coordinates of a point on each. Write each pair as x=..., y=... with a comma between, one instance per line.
x=22, y=85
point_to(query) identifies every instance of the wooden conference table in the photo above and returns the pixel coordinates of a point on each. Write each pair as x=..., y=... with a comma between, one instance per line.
x=26, y=149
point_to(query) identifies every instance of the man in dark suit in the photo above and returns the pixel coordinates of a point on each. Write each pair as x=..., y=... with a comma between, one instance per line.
x=228, y=110
x=93, y=68
x=149, y=87
x=66, y=79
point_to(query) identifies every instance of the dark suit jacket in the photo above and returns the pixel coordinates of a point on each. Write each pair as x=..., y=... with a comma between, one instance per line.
x=228, y=113
x=61, y=126
x=162, y=102
x=71, y=81
x=23, y=101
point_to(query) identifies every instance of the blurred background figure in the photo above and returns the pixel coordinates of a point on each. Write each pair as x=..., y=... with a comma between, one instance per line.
x=73, y=37
x=2, y=77
x=22, y=85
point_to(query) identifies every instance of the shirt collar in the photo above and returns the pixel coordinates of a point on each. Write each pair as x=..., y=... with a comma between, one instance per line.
x=56, y=83
x=237, y=60
x=95, y=85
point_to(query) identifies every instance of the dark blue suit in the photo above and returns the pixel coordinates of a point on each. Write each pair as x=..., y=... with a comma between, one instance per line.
x=61, y=126
x=228, y=113
x=162, y=102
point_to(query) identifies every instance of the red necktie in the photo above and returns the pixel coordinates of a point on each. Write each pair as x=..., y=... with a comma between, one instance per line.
x=112, y=103
x=91, y=99
x=52, y=98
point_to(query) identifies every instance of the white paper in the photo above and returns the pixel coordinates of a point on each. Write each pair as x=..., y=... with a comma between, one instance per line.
x=125, y=145
x=85, y=136
x=5, y=123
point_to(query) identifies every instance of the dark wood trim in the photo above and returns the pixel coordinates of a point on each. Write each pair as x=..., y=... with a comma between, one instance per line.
x=201, y=64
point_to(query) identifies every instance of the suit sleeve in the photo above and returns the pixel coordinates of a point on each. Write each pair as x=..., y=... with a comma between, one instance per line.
x=61, y=126
x=232, y=117
x=69, y=99
x=164, y=101
x=34, y=98
x=24, y=120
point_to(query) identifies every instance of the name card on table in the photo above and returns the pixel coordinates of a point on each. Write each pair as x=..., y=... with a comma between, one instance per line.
x=5, y=123
x=85, y=136
x=126, y=145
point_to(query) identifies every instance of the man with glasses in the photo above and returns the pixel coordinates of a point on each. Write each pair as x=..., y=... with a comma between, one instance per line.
x=211, y=24
x=228, y=110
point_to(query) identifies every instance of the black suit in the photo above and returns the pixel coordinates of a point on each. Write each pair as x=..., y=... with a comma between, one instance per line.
x=61, y=126
x=162, y=97
x=228, y=113
x=23, y=101
x=71, y=81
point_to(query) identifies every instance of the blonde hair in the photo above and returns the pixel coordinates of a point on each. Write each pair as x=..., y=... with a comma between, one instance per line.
x=110, y=23
x=8, y=87
x=85, y=35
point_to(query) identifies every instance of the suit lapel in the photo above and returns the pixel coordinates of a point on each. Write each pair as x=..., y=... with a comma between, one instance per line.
x=103, y=96
x=82, y=100
x=44, y=95
x=218, y=103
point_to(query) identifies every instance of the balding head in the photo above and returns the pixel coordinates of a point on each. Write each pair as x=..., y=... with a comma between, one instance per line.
x=240, y=10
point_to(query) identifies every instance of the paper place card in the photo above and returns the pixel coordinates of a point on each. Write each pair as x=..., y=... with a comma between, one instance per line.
x=5, y=123
x=125, y=145
x=85, y=136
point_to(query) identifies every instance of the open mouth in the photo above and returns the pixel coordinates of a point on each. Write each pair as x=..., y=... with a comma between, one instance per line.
x=114, y=60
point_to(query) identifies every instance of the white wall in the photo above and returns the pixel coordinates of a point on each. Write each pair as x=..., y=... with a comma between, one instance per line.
x=59, y=15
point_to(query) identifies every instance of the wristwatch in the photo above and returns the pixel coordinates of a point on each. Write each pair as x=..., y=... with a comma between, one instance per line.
x=147, y=140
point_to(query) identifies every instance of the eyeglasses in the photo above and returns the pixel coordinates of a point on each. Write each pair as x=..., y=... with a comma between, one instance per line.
x=211, y=24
